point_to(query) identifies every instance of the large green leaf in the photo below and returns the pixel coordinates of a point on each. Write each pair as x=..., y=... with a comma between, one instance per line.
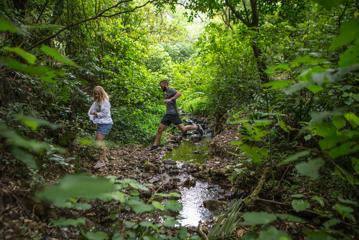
x=355, y=163
x=56, y=55
x=338, y=121
x=7, y=26
x=329, y=3
x=278, y=84
x=344, y=149
x=34, y=123
x=271, y=233
x=44, y=73
x=350, y=56
x=318, y=235
x=300, y=205
x=24, y=157
x=172, y=205
x=349, y=31
x=62, y=222
x=170, y=222
x=295, y=157
x=96, y=236
x=77, y=186
x=158, y=205
x=310, y=168
x=345, y=211
x=255, y=153
x=118, y=196
x=127, y=182
x=352, y=118
x=168, y=195
x=31, y=59
x=255, y=218
x=139, y=206
x=290, y=218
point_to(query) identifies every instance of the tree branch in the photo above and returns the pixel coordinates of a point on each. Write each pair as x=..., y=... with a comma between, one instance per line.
x=100, y=14
x=245, y=9
x=42, y=11
x=236, y=13
x=128, y=11
x=255, y=17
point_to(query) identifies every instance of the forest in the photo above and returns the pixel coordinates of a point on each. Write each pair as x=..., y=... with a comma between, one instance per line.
x=267, y=90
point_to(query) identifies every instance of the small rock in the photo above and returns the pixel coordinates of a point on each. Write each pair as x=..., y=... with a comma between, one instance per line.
x=214, y=205
x=189, y=182
x=99, y=164
x=169, y=162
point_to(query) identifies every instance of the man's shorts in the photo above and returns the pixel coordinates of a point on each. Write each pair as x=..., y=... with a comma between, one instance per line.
x=171, y=118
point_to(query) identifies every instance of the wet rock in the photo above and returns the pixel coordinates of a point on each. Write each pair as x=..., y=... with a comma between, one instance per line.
x=189, y=182
x=176, y=179
x=195, y=137
x=150, y=166
x=214, y=205
x=197, y=152
x=145, y=194
x=201, y=174
x=217, y=174
x=170, y=185
x=192, y=168
x=174, y=171
x=169, y=162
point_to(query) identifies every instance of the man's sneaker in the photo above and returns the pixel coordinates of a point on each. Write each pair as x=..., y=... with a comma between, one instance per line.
x=200, y=130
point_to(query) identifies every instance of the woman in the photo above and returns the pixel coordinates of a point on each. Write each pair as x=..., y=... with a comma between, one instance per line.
x=100, y=114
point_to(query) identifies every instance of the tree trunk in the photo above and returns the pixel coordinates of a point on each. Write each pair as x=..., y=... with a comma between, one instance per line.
x=57, y=12
x=261, y=65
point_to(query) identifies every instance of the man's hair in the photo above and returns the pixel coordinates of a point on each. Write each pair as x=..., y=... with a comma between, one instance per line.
x=164, y=81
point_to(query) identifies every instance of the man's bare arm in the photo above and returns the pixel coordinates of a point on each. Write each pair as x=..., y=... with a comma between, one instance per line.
x=177, y=95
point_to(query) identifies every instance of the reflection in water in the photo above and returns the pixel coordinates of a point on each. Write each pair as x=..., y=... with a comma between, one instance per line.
x=190, y=152
x=192, y=200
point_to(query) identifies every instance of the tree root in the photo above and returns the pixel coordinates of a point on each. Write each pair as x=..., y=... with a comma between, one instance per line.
x=200, y=232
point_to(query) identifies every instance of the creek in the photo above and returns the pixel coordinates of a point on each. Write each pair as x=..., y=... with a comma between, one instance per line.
x=195, y=192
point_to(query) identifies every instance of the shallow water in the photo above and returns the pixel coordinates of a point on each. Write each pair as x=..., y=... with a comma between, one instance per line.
x=190, y=152
x=192, y=198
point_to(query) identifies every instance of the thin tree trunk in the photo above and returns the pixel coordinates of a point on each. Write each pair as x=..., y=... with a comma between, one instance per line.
x=261, y=65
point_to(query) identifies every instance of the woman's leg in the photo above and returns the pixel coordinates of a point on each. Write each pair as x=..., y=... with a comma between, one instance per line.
x=99, y=137
x=103, y=150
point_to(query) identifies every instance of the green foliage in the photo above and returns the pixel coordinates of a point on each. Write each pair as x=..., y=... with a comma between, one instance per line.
x=310, y=168
x=31, y=59
x=300, y=205
x=56, y=55
x=78, y=187
x=258, y=218
x=73, y=190
x=96, y=235
x=7, y=26
x=63, y=222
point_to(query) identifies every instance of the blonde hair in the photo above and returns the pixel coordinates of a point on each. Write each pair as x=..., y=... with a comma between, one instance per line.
x=102, y=94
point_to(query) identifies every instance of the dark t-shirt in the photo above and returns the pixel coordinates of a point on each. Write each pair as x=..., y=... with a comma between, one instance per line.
x=171, y=107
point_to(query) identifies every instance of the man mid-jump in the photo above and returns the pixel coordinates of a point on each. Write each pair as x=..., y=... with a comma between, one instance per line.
x=172, y=115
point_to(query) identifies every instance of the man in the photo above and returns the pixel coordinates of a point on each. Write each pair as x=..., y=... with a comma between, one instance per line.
x=171, y=115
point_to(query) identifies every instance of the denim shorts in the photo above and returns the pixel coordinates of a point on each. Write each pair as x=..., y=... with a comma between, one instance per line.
x=103, y=129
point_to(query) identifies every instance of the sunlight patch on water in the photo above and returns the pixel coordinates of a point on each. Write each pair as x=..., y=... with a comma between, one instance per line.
x=192, y=200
